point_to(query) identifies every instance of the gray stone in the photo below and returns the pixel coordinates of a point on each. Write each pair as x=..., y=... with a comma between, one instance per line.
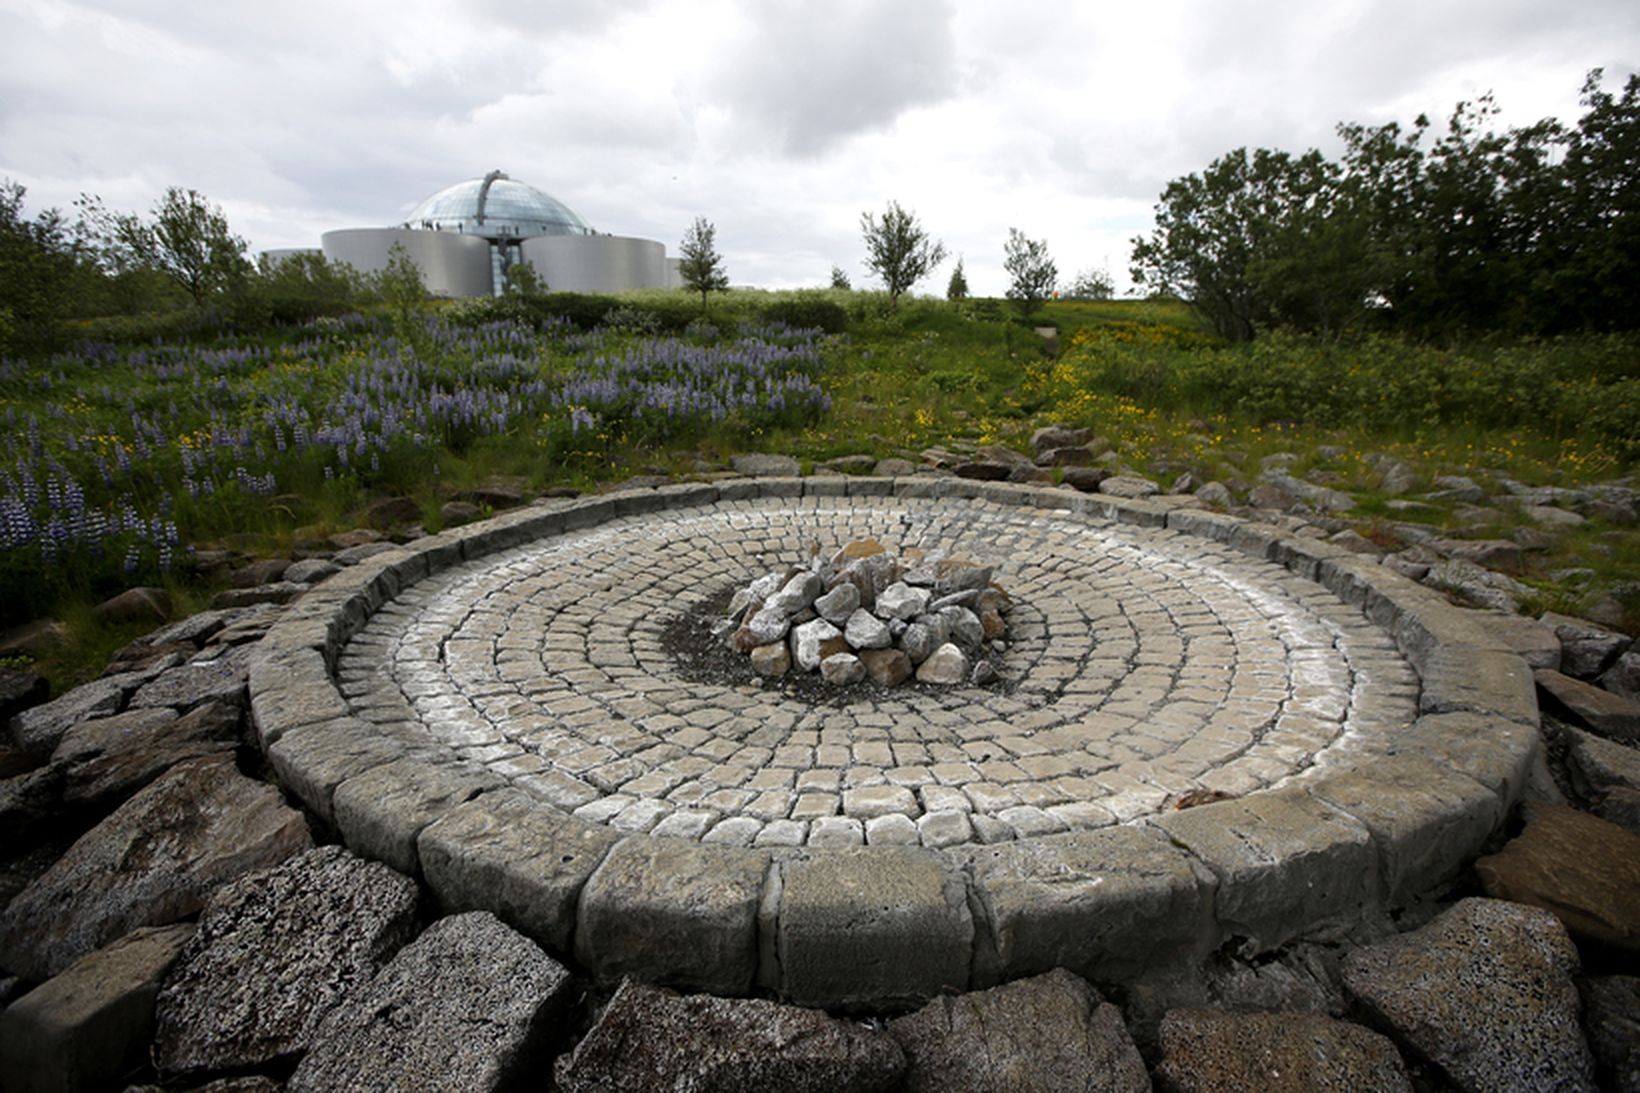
x=1322, y=498
x=895, y=829
x=20, y=689
x=894, y=468
x=467, y=1005
x=764, y=465
x=1452, y=487
x=1052, y=1032
x=1205, y=1051
x=1109, y=905
x=152, y=862
x=1474, y=584
x=1597, y=766
x=281, y=592
x=218, y=679
x=842, y=669
x=796, y=594
x=1074, y=456
x=918, y=642
x=1606, y=713
x=1611, y=1017
x=808, y=643
x=40, y=728
x=768, y=624
x=873, y=927
x=275, y=952
x=135, y=605
x=652, y=1039
x=31, y=804
x=1427, y=821
x=901, y=601
x=867, y=802
x=504, y=852
x=866, y=631
x=1216, y=494
x=1085, y=479
x=1587, y=649
x=1286, y=864
x=1623, y=677
x=91, y=1025
x=311, y=571
x=108, y=759
x=261, y=571
x=1535, y=641
x=1129, y=485
x=963, y=627
x=1485, y=993
x=673, y=912
x=945, y=665
x=381, y=811
x=1491, y=553
x=1049, y=437
x=1582, y=868
x=838, y=604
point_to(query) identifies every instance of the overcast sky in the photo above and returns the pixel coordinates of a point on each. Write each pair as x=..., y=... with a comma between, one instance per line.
x=781, y=121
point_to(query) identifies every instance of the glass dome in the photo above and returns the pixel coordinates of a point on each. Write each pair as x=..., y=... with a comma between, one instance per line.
x=496, y=206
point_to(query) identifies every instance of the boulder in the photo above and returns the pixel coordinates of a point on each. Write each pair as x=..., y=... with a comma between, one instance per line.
x=811, y=643
x=1490, y=553
x=1085, y=479
x=886, y=667
x=107, y=759
x=1623, y=677
x=838, y=604
x=135, y=605
x=35, y=639
x=1475, y=584
x=390, y=511
x=1485, y=993
x=866, y=631
x=275, y=951
x=772, y=660
x=39, y=728
x=20, y=689
x=1050, y=1032
x=1584, y=869
x=842, y=669
x=1216, y=494
x=153, y=861
x=1611, y=1017
x=31, y=803
x=1597, y=766
x=647, y=1038
x=1609, y=714
x=1204, y=1051
x=901, y=601
x=1049, y=437
x=1453, y=487
x=1073, y=456
x=764, y=465
x=1130, y=486
x=91, y=1025
x=983, y=472
x=1536, y=642
x=945, y=665
x=261, y=571
x=467, y=1005
x=1587, y=649
x=311, y=571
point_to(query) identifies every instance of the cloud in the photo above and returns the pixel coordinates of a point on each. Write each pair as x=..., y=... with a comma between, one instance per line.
x=810, y=73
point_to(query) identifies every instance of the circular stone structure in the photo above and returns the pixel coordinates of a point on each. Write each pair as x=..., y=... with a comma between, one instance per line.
x=499, y=709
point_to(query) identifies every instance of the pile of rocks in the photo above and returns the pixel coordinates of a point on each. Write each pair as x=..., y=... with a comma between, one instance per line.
x=867, y=612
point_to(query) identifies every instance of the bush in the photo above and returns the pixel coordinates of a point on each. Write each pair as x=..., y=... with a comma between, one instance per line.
x=806, y=312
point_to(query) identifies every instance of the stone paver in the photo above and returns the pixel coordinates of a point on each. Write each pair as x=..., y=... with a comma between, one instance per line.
x=1141, y=664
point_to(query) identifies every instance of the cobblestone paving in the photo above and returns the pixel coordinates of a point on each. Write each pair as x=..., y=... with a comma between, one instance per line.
x=1142, y=664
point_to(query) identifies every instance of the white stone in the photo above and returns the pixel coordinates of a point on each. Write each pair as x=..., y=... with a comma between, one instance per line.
x=867, y=631
x=900, y=601
x=947, y=665
x=892, y=830
x=806, y=641
x=798, y=593
x=768, y=625
x=947, y=827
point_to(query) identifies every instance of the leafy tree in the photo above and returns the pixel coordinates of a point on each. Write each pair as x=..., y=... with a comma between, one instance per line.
x=1092, y=284
x=898, y=250
x=839, y=280
x=187, y=240
x=699, y=263
x=1031, y=273
x=957, y=289
x=37, y=267
x=523, y=280
x=401, y=287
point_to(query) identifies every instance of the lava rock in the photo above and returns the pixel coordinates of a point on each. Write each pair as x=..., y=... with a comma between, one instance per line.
x=1051, y=1032
x=464, y=1006
x=1611, y=1016
x=648, y=1038
x=1204, y=1051
x=275, y=951
x=110, y=758
x=40, y=728
x=152, y=862
x=1485, y=993
x=1609, y=714
x=90, y=1025
x=1584, y=869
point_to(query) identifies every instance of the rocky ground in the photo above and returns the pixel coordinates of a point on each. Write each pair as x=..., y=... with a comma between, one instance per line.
x=169, y=919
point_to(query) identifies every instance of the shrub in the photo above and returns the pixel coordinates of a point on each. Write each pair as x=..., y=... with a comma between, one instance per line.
x=808, y=312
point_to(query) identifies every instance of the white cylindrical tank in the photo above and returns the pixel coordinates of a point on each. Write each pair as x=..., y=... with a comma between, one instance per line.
x=451, y=264
x=597, y=263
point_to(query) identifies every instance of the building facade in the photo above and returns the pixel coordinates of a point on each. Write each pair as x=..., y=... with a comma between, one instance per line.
x=465, y=238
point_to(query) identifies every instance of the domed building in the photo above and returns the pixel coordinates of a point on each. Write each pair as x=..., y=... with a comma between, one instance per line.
x=465, y=237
